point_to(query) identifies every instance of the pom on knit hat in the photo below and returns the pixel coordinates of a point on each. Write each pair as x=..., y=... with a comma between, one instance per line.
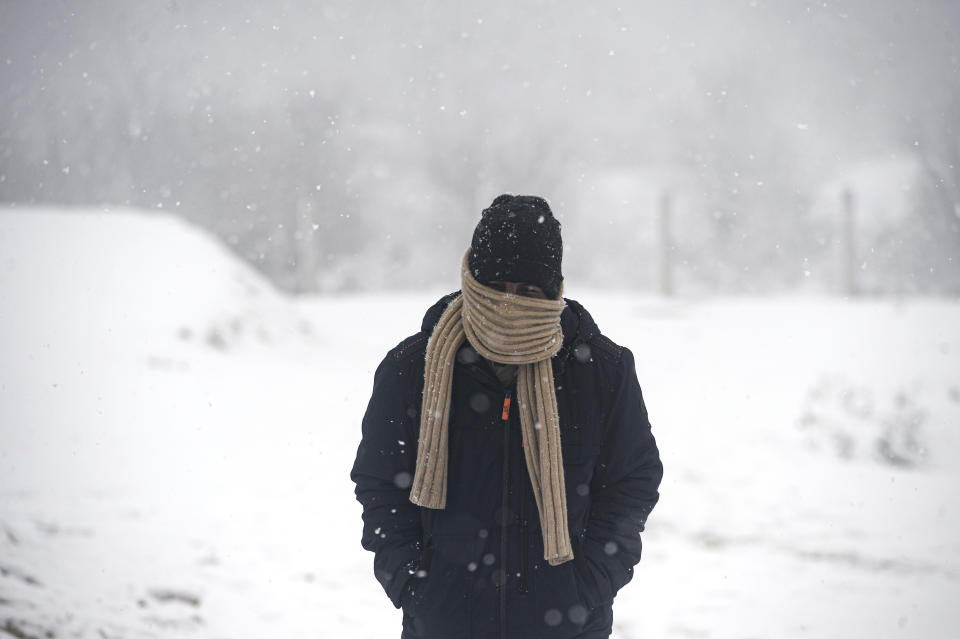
x=518, y=240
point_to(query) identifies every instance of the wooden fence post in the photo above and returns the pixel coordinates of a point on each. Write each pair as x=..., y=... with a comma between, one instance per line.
x=305, y=246
x=849, y=245
x=666, y=246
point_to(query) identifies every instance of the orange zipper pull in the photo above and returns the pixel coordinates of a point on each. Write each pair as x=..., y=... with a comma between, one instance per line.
x=505, y=415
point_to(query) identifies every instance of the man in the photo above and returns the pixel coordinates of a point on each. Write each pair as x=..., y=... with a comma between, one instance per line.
x=507, y=466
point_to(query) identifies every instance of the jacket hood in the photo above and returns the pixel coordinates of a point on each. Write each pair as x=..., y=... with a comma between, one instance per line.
x=577, y=324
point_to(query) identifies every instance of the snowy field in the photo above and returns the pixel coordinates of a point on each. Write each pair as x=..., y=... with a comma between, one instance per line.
x=176, y=438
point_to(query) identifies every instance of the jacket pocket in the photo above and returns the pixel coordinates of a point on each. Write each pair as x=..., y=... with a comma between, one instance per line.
x=577, y=478
x=442, y=602
x=418, y=580
x=558, y=608
x=579, y=565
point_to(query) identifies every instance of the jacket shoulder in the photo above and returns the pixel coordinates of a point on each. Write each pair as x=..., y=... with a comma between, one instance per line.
x=410, y=347
x=402, y=365
x=605, y=348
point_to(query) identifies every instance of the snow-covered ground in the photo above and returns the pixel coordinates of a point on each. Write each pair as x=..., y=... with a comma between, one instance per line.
x=176, y=438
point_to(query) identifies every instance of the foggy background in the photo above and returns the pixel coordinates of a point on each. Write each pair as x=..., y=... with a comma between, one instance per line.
x=760, y=199
x=687, y=148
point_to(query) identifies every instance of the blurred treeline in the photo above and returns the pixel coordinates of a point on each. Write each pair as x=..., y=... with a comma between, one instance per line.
x=732, y=146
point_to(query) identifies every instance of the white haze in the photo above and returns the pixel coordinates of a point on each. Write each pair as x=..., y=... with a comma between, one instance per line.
x=344, y=145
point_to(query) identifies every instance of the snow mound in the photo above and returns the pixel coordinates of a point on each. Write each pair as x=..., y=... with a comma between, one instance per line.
x=129, y=277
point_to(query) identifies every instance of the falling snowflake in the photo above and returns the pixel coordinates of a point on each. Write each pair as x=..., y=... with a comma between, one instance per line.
x=577, y=614
x=553, y=617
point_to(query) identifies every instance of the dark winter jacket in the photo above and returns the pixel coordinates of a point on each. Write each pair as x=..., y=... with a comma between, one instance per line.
x=445, y=568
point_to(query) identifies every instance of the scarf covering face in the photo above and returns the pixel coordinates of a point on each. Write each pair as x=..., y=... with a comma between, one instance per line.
x=509, y=329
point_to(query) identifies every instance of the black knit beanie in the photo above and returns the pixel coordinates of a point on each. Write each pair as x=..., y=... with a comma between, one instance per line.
x=518, y=240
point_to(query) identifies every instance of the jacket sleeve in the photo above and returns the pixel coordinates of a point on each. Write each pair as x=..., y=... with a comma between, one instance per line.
x=383, y=471
x=624, y=491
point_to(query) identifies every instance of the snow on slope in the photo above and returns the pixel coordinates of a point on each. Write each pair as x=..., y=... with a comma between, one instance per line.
x=133, y=274
x=89, y=300
x=174, y=436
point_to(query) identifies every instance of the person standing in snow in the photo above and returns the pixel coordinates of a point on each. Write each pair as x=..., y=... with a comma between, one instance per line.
x=507, y=466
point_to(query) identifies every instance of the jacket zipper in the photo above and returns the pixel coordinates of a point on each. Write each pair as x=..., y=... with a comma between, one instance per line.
x=505, y=418
x=524, y=534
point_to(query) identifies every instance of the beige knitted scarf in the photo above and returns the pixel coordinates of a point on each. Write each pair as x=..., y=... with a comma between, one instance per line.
x=509, y=329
